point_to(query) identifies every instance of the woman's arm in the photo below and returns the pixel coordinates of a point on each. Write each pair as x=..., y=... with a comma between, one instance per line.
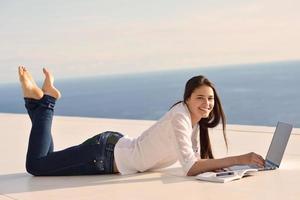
x=205, y=165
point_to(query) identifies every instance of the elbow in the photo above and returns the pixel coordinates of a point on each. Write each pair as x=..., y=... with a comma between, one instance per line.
x=189, y=174
x=191, y=171
x=195, y=169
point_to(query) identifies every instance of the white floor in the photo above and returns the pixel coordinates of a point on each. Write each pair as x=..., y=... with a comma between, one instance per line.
x=15, y=183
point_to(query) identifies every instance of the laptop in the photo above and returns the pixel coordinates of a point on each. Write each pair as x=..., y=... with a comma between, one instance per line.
x=276, y=150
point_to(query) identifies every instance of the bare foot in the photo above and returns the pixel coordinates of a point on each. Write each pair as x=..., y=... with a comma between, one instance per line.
x=29, y=87
x=48, y=87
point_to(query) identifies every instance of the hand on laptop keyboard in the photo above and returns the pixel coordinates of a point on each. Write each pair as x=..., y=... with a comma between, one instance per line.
x=251, y=159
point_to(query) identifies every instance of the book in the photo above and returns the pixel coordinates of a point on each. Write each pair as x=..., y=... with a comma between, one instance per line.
x=225, y=176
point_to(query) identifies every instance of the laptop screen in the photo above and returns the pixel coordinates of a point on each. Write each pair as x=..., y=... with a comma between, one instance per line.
x=279, y=142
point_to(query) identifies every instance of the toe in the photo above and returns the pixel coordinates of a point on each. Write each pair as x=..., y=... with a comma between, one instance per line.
x=46, y=71
x=21, y=72
x=49, y=79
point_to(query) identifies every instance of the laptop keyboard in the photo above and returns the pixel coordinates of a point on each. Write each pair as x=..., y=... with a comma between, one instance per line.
x=269, y=167
x=242, y=167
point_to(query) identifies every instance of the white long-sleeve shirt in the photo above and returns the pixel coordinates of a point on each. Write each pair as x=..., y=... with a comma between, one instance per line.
x=170, y=139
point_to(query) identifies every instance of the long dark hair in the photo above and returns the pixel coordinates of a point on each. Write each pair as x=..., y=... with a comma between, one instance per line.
x=214, y=118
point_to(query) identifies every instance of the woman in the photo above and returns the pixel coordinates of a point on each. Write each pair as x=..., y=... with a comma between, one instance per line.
x=174, y=137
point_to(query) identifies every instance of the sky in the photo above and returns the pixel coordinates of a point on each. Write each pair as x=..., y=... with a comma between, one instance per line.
x=76, y=38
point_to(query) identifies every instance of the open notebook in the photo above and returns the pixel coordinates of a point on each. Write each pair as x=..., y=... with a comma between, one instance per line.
x=226, y=176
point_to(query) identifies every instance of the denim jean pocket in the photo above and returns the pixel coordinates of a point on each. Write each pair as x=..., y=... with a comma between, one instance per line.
x=90, y=168
x=99, y=165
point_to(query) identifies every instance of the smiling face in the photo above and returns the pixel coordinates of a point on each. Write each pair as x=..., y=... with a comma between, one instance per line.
x=200, y=103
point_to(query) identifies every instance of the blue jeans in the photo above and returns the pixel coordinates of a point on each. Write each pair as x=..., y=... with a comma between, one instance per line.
x=94, y=156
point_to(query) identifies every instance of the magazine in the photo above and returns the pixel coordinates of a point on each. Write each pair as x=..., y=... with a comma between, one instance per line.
x=225, y=176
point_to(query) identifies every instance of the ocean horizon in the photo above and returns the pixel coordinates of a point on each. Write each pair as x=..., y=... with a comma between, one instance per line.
x=252, y=94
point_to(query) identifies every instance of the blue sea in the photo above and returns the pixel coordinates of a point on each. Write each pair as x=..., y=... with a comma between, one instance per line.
x=253, y=94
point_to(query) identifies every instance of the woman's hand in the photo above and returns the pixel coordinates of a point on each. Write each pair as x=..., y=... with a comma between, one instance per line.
x=251, y=159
